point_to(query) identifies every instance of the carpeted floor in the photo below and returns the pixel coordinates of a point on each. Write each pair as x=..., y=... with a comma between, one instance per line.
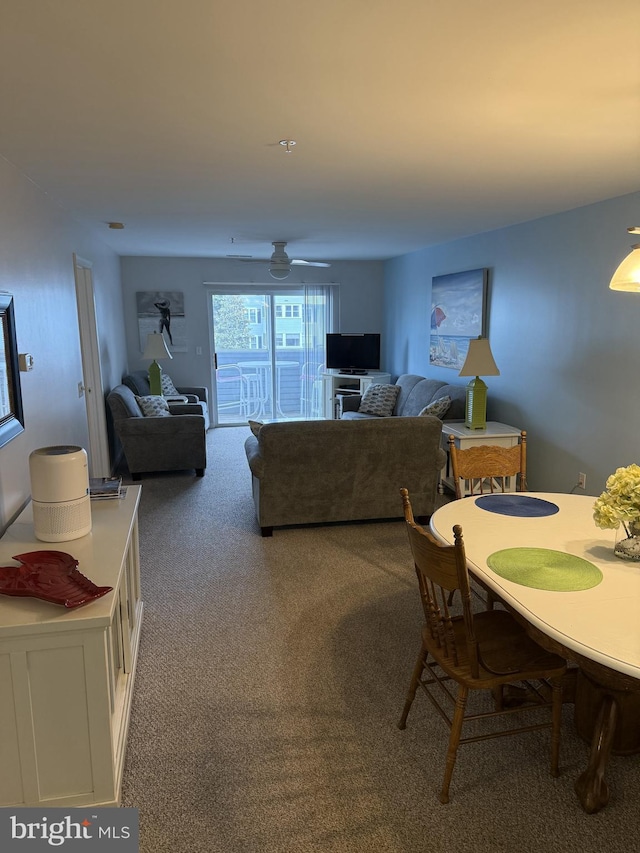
x=271, y=676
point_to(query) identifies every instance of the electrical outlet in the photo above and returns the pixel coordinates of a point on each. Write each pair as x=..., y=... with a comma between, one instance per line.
x=582, y=480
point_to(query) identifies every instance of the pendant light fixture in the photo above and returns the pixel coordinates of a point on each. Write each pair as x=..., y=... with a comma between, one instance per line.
x=627, y=276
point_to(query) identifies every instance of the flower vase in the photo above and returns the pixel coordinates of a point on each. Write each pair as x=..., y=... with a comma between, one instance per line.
x=627, y=545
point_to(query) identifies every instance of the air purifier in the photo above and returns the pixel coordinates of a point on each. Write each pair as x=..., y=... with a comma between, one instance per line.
x=60, y=493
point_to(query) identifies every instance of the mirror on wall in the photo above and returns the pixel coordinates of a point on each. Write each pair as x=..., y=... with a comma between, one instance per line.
x=11, y=415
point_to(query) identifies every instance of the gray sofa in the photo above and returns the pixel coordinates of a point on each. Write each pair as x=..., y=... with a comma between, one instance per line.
x=158, y=443
x=343, y=470
x=416, y=392
x=138, y=382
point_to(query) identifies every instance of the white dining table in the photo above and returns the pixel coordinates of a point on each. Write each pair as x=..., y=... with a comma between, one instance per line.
x=598, y=628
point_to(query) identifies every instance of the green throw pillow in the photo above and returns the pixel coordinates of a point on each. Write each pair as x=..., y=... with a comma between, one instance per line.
x=153, y=406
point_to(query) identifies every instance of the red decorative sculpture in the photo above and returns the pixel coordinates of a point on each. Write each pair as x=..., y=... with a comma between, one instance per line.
x=52, y=576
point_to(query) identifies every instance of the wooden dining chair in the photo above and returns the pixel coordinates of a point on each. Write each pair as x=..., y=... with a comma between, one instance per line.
x=478, y=651
x=487, y=467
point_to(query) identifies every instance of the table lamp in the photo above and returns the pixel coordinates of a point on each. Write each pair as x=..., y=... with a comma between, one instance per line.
x=155, y=348
x=479, y=361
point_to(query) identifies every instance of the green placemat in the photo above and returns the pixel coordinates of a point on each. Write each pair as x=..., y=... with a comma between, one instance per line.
x=542, y=568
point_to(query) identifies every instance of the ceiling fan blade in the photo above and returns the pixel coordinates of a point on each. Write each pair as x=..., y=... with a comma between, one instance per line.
x=309, y=263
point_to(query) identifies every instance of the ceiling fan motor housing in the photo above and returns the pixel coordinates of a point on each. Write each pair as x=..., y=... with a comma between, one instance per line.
x=280, y=266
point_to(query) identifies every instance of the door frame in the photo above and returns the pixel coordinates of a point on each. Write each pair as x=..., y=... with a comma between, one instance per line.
x=92, y=387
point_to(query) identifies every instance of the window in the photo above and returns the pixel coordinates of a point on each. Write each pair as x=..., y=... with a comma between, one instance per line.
x=288, y=311
x=253, y=327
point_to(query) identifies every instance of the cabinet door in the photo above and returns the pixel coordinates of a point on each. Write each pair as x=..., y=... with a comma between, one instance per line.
x=115, y=643
x=131, y=593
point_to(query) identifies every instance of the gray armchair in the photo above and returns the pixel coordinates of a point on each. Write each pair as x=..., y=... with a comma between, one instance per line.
x=198, y=398
x=169, y=443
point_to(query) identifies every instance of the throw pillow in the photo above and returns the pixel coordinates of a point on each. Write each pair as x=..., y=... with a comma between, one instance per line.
x=168, y=388
x=438, y=408
x=255, y=427
x=153, y=406
x=379, y=400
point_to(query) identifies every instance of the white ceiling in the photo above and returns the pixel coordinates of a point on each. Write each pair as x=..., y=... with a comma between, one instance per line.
x=416, y=121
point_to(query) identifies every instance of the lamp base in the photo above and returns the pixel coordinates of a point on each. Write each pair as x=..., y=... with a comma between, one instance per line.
x=155, y=378
x=476, y=404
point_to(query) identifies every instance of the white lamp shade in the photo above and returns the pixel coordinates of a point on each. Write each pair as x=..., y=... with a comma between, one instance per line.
x=156, y=347
x=627, y=276
x=479, y=360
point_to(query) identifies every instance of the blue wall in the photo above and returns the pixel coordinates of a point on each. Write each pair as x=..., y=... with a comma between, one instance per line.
x=567, y=347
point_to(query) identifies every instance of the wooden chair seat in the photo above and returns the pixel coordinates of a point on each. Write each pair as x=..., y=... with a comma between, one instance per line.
x=479, y=651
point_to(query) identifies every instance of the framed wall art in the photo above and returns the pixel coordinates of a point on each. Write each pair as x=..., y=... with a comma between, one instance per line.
x=458, y=313
x=162, y=311
x=11, y=412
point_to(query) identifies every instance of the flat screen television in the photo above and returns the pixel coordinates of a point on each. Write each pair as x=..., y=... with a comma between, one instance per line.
x=353, y=352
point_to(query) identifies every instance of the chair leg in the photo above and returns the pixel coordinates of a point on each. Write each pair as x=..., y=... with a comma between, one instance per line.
x=413, y=686
x=454, y=741
x=556, y=723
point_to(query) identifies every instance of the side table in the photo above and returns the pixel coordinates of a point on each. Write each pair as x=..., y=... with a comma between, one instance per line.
x=494, y=433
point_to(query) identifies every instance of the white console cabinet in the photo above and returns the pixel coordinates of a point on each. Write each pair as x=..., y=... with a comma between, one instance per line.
x=335, y=384
x=67, y=676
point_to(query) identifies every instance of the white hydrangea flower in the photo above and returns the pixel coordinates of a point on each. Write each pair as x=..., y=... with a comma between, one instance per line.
x=620, y=502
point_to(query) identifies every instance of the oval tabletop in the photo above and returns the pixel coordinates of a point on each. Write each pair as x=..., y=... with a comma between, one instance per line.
x=600, y=621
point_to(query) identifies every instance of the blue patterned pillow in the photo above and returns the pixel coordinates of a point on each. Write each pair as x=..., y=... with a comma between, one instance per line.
x=153, y=406
x=168, y=388
x=438, y=408
x=379, y=400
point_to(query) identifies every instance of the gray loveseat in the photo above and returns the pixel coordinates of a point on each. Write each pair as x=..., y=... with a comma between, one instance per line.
x=138, y=382
x=416, y=392
x=343, y=470
x=169, y=443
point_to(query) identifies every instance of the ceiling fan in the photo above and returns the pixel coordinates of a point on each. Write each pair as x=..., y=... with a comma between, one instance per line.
x=280, y=263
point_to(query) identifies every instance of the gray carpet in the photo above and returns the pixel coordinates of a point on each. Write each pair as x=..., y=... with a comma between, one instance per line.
x=270, y=679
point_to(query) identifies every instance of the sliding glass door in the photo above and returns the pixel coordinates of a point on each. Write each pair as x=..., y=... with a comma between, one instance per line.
x=269, y=351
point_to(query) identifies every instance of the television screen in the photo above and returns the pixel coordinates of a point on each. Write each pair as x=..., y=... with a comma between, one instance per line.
x=353, y=351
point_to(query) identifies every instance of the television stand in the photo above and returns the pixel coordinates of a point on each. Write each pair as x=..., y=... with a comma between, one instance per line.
x=333, y=387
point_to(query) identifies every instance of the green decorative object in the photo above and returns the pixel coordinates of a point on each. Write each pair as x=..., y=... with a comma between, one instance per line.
x=156, y=348
x=542, y=568
x=476, y=404
x=155, y=378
